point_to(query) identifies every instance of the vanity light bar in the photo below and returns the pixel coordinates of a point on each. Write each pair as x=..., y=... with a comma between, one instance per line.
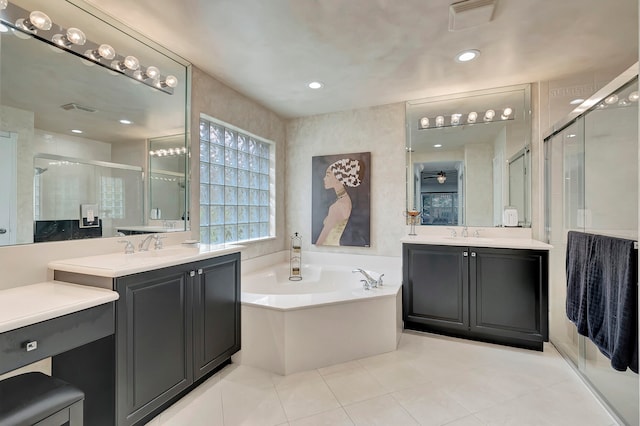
x=37, y=24
x=168, y=152
x=460, y=119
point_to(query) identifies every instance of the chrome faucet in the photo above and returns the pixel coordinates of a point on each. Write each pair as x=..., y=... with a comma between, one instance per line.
x=144, y=244
x=477, y=233
x=128, y=248
x=465, y=232
x=369, y=281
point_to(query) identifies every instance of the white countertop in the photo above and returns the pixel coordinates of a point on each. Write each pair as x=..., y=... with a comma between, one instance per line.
x=495, y=242
x=119, y=264
x=30, y=304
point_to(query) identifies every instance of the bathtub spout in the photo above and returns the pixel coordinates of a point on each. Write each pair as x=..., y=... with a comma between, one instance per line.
x=371, y=282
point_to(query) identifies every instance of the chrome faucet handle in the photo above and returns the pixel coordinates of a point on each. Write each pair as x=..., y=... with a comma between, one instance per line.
x=128, y=249
x=453, y=232
x=158, y=244
x=365, y=284
x=380, y=280
x=477, y=233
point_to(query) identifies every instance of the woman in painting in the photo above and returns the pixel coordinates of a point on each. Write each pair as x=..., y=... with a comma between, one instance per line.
x=339, y=175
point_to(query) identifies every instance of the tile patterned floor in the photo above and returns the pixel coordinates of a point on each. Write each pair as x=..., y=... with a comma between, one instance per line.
x=430, y=380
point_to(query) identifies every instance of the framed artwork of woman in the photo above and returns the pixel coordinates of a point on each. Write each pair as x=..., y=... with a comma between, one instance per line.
x=341, y=200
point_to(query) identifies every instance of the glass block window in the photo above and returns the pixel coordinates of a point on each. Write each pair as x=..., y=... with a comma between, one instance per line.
x=235, y=184
x=112, y=197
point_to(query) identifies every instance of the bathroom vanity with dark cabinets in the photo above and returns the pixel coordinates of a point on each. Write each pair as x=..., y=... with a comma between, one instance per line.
x=173, y=327
x=498, y=295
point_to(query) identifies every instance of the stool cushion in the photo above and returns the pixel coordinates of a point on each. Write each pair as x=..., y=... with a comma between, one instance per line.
x=28, y=398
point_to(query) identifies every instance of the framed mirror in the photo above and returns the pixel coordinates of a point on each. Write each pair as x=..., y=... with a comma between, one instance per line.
x=77, y=115
x=468, y=158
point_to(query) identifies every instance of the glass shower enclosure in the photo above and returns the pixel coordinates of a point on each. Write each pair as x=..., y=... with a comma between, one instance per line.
x=591, y=185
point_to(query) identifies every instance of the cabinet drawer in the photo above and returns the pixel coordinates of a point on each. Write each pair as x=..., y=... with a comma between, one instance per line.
x=55, y=336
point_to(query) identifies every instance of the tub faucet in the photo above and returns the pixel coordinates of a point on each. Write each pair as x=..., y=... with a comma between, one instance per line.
x=369, y=280
x=144, y=244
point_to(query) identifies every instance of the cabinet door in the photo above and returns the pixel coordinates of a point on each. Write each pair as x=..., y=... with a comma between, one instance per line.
x=154, y=341
x=435, y=287
x=216, y=312
x=509, y=293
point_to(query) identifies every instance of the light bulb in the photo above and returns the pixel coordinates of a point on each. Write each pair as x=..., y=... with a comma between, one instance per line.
x=59, y=39
x=3, y=28
x=611, y=99
x=424, y=122
x=171, y=81
x=3, y=4
x=489, y=114
x=106, y=51
x=455, y=119
x=76, y=36
x=439, y=121
x=152, y=72
x=507, y=111
x=634, y=96
x=73, y=36
x=472, y=117
x=131, y=62
x=40, y=20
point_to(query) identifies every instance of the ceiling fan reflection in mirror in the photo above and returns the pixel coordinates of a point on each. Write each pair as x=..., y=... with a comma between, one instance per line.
x=441, y=177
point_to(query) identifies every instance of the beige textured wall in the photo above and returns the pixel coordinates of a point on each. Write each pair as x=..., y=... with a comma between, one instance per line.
x=379, y=130
x=211, y=97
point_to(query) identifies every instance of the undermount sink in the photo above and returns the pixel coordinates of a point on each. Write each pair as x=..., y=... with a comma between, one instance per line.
x=166, y=252
x=470, y=239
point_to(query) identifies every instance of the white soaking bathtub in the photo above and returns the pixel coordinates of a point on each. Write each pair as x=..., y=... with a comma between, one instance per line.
x=324, y=319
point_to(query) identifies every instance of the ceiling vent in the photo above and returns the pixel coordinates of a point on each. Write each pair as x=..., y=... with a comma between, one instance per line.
x=470, y=13
x=73, y=105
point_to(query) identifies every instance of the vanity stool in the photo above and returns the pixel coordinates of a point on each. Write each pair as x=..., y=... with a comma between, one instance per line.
x=38, y=399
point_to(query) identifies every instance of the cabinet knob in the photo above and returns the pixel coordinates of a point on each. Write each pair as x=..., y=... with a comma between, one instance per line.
x=473, y=254
x=200, y=271
x=465, y=253
x=192, y=273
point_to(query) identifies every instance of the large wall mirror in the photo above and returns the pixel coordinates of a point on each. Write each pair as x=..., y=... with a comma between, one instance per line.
x=79, y=112
x=468, y=158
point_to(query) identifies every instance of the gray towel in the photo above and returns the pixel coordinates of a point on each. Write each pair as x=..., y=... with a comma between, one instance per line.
x=602, y=295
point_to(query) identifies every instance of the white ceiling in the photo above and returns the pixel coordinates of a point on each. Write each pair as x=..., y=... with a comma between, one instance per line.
x=374, y=52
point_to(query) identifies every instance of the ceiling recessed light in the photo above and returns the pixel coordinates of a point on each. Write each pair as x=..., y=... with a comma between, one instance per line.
x=437, y=145
x=467, y=55
x=124, y=121
x=315, y=85
x=76, y=131
x=577, y=101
